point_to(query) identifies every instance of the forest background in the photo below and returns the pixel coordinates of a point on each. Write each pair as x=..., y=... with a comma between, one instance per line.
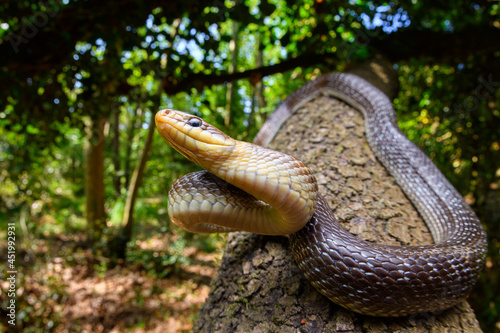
x=84, y=176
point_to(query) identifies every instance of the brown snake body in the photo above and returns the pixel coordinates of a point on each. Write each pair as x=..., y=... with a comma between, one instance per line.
x=266, y=196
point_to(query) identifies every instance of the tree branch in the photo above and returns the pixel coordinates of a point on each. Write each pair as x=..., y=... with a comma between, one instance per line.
x=200, y=81
x=440, y=45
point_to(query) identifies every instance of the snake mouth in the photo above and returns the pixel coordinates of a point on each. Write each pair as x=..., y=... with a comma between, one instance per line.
x=177, y=124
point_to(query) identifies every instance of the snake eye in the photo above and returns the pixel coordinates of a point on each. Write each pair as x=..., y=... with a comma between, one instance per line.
x=194, y=122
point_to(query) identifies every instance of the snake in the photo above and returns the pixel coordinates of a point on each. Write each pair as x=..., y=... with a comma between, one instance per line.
x=248, y=187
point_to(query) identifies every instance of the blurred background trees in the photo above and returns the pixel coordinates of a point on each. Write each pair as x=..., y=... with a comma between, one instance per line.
x=81, y=81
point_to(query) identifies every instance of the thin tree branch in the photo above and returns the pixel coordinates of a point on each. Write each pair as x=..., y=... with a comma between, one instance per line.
x=200, y=81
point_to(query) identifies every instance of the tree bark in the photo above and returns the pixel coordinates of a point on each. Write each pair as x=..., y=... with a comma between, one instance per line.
x=116, y=151
x=258, y=100
x=136, y=120
x=94, y=178
x=259, y=287
x=233, y=47
x=135, y=184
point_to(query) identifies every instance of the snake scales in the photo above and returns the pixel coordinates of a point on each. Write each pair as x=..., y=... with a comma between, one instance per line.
x=248, y=187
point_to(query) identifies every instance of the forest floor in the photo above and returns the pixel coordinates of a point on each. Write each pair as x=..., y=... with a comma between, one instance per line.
x=63, y=287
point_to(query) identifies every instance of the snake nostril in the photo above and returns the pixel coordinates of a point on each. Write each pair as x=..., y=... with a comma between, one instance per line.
x=161, y=116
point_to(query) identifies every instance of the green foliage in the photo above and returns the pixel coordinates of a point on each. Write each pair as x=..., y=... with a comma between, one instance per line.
x=457, y=128
x=67, y=62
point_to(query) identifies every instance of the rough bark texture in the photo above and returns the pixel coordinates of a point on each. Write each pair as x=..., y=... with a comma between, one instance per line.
x=230, y=92
x=135, y=183
x=259, y=288
x=116, y=152
x=94, y=178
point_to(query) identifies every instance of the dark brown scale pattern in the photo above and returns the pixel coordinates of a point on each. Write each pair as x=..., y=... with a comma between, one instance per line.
x=384, y=280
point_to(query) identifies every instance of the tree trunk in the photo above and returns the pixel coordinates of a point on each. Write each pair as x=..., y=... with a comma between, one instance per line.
x=136, y=120
x=94, y=178
x=233, y=47
x=133, y=190
x=259, y=288
x=258, y=101
x=116, y=151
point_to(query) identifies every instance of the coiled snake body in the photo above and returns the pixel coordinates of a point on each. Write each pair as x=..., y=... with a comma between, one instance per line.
x=248, y=187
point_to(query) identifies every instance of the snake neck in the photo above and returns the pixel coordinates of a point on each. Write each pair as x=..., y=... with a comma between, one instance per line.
x=279, y=180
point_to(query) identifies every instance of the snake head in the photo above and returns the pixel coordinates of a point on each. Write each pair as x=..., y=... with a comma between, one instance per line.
x=191, y=136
